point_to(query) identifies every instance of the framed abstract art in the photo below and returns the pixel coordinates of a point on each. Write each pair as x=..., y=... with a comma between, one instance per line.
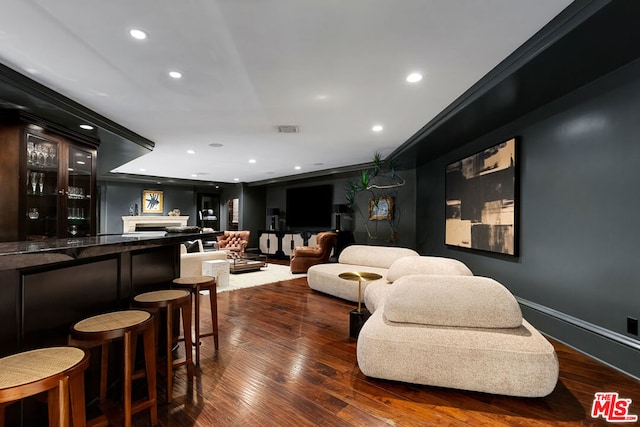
x=152, y=201
x=482, y=200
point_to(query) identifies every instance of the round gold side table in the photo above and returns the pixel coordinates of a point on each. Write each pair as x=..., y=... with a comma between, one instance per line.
x=358, y=316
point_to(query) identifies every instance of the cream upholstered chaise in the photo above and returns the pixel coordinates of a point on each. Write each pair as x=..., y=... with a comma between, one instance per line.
x=358, y=258
x=191, y=262
x=455, y=331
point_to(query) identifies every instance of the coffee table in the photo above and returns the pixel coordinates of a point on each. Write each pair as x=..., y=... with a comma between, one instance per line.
x=248, y=262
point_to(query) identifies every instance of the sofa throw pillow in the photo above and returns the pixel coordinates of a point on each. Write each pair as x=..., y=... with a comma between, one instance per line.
x=193, y=246
x=427, y=265
x=459, y=301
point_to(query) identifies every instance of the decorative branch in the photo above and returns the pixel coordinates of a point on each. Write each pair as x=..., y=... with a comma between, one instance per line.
x=386, y=185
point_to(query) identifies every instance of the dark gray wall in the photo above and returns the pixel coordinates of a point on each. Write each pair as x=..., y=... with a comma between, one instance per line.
x=116, y=197
x=404, y=208
x=253, y=211
x=575, y=275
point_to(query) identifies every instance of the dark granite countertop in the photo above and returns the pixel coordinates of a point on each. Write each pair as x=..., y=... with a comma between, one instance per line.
x=16, y=255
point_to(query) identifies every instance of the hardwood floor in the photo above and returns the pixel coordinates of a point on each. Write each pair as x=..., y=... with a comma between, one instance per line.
x=285, y=358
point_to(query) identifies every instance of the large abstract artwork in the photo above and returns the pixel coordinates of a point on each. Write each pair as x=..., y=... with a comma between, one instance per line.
x=481, y=200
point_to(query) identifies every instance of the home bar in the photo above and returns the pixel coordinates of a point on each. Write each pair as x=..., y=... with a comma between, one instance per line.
x=48, y=285
x=477, y=159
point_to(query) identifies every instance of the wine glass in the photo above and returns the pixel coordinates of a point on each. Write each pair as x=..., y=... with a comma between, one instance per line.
x=30, y=148
x=40, y=181
x=52, y=155
x=40, y=149
x=73, y=230
x=34, y=181
x=34, y=154
x=45, y=154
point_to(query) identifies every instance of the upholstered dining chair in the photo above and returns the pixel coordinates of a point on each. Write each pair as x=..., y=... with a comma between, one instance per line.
x=234, y=242
x=304, y=257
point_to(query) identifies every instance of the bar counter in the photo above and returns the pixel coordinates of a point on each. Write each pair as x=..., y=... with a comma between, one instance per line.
x=15, y=255
x=45, y=286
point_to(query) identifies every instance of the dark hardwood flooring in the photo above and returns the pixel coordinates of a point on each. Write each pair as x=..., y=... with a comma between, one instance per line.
x=285, y=358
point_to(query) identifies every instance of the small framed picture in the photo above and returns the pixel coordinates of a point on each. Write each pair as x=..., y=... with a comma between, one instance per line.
x=381, y=208
x=152, y=201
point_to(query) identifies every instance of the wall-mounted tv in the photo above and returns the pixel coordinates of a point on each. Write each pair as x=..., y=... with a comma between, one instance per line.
x=309, y=207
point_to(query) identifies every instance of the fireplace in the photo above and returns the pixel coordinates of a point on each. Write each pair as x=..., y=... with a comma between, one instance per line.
x=131, y=224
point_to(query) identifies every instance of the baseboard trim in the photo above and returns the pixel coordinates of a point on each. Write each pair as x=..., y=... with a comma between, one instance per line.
x=611, y=348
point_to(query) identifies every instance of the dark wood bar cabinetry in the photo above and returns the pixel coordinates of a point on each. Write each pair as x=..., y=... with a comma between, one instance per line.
x=46, y=286
x=48, y=180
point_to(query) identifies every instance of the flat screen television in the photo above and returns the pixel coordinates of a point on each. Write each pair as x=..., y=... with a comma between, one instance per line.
x=309, y=207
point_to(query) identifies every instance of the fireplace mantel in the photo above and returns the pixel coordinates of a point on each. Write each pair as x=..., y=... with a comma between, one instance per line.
x=129, y=223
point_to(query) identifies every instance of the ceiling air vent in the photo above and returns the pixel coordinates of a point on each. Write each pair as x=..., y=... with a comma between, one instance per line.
x=287, y=129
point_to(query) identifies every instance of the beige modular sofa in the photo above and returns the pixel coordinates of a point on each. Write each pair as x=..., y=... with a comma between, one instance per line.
x=374, y=259
x=456, y=331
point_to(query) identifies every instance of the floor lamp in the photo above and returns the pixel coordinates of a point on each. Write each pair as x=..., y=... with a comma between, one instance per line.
x=338, y=210
x=273, y=213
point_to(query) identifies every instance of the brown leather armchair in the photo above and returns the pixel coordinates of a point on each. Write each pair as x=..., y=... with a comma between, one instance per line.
x=234, y=242
x=304, y=257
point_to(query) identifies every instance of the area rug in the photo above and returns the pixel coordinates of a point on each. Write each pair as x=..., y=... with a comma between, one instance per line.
x=270, y=274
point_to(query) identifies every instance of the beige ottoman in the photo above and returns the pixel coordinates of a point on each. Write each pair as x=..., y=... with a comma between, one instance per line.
x=218, y=269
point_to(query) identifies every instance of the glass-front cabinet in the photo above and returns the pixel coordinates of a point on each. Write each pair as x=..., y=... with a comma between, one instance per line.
x=79, y=198
x=54, y=196
x=60, y=182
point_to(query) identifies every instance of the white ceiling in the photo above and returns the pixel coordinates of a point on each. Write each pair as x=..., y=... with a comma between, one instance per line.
x=334, y=68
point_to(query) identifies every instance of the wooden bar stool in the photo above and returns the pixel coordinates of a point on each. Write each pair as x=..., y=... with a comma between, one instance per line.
x=168, y=300
x=126, y=325
x=57, y=370
x=195, y=285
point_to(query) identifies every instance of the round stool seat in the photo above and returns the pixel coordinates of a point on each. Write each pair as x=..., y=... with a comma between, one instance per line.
x=35, y=365
x=111, y=325
x=59, y=371
x=194, y=280
x=159, y=297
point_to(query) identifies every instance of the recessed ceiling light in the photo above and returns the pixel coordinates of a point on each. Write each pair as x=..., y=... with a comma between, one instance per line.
x=194, y=175
x=297, y=167
x=143, y=170
x=175, y=74
x=86, y=127
x=215, y=145
x=138, y=34
x=252, y=160
x=236, y=179
x=414, y=77
x=191, y=152
x=377, y=128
